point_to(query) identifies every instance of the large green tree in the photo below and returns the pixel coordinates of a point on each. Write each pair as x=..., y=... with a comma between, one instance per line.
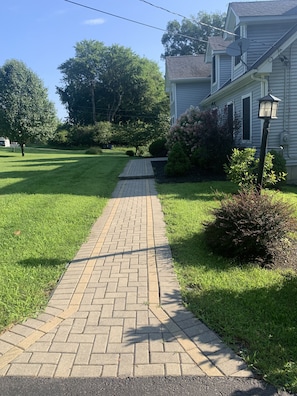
x=26, y=114
x=190, y=36
x=111, y=84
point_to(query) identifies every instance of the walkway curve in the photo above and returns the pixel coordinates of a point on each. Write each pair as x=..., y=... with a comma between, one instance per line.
x=117, y=311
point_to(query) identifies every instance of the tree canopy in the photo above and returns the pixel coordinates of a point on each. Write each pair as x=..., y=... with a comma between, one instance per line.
x=26, y=114
x=111, y=84
x=190, y=36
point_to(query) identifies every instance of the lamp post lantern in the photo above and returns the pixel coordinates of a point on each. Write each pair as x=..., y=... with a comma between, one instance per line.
x=267, y=111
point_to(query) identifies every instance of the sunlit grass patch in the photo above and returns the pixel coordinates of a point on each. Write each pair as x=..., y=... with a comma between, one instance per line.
x=253, y=309
x=49, y=201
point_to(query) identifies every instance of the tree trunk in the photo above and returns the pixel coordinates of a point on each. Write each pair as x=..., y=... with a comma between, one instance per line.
x=22, y=149
x=93, y=103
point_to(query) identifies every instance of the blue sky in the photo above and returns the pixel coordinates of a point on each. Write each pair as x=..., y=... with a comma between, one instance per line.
x=43, y=33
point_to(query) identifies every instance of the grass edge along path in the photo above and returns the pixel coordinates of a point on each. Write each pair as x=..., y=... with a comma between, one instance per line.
x=49, y=202
x=251, y=308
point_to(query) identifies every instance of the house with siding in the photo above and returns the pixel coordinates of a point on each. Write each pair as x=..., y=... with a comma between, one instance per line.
x=187, y=82
x=265, y=35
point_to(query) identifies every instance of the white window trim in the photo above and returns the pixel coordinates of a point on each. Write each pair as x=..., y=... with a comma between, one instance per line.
x=215, y=85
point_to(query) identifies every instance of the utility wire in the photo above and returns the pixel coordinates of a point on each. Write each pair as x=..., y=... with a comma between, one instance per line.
x=192, y=20
x=132, y=20
x=197, y=22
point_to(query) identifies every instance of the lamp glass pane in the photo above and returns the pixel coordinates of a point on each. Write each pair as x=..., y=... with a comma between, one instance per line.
x=265, y=109
x=274, y=110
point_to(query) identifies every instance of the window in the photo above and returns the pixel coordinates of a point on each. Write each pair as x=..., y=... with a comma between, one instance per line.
x=246, y=118
x=237, y=59
x=214, y=70
x=230, y=116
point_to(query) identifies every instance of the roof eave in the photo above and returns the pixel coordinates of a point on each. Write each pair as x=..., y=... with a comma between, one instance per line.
x=189, y=80
x=240, y=81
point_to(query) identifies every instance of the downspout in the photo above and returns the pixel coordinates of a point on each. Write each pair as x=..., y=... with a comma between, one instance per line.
x=264, y=82
x=287, y=93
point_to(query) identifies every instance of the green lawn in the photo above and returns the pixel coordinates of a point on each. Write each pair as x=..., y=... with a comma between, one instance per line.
x=49, y=200
x=254, y=310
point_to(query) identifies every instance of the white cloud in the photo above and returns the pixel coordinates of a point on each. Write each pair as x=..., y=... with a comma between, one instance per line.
x=98, y=21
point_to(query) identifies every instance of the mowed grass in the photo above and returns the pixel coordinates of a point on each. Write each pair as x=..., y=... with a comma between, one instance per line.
x=254, y=310
x=49, y=200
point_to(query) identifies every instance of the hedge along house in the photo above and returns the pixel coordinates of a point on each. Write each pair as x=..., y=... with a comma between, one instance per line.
x=257, y=54
x=187, y=82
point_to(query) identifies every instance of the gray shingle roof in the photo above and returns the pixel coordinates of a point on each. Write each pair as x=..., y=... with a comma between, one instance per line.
x=217, y=43
x=265, y=8
x=186, y=67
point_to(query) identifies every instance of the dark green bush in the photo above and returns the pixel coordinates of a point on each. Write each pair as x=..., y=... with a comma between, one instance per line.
x=130, y=153
x=251, y=227
x=178, y=162
x=158, y=148
x=94, y=150
x=279, y=166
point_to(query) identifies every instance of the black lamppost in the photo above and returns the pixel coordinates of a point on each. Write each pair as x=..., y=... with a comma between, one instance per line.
x=267, y=110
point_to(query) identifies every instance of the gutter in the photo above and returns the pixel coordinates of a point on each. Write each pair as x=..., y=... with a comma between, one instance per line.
x=239, y=82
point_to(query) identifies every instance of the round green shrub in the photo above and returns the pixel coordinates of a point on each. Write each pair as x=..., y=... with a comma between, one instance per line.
x=279, y=167
x=158, y=148
x=250, y=227
x=94, y=150
x=178, y=163
x=130, y=153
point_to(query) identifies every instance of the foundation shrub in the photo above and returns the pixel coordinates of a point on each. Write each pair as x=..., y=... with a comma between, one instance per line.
x=251, y=227
x=205, y=136
x=178, y=163
x=243, y=165
x=279, y=167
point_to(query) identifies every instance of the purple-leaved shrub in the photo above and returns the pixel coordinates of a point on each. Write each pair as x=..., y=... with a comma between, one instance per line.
x=205, y=136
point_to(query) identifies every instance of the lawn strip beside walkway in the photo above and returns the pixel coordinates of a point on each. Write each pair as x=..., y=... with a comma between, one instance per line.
x=117, y=311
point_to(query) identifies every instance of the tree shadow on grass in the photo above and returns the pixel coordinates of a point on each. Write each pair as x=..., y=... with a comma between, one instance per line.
x=260, y=322
x=73, y=175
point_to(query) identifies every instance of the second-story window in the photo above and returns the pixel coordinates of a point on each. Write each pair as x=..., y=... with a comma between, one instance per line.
x=214, y=70
x=237, y=37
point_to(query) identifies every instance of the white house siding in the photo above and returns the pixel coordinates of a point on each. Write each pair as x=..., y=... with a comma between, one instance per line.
x=173, y=103
x=190, y=94
x=262, y=37
x=224, y=72
x=253, y=89
x=284, y=86
x=238, y=70
x=225, y=69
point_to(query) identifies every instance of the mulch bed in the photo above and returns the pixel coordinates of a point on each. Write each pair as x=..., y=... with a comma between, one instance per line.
x=195, y=175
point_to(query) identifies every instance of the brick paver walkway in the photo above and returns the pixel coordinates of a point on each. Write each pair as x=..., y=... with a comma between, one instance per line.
x=117, y=311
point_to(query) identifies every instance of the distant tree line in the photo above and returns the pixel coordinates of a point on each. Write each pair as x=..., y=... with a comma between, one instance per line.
x=111, y=94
